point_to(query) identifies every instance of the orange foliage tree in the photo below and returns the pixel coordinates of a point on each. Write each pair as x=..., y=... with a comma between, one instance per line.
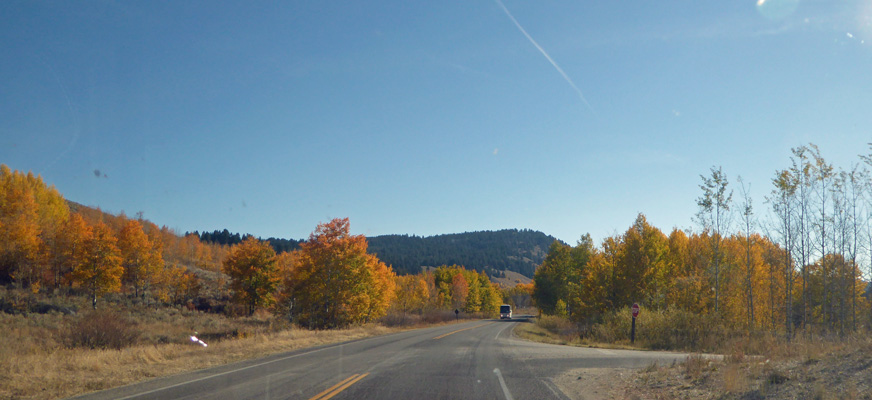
x=412, y=293
x=100, y=269
x=141, y=257
x=68, y=248
x=30, y=212
x=336, y=282
x=253, y=273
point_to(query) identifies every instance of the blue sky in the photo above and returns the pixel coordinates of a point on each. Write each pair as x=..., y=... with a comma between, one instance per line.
x=425, y=117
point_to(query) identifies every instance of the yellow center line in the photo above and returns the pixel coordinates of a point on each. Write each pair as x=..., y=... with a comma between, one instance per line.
x=335, y=389
x=345, y=386
x=460, y=330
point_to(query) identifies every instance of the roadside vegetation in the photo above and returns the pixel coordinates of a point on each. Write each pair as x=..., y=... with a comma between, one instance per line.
x=54, y=355
x=783, y=294
x=90, y=300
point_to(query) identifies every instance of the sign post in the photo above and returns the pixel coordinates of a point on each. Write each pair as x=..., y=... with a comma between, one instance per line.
x=635, y=309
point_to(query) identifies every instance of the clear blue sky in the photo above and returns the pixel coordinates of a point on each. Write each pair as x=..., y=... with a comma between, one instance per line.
x=425, y=117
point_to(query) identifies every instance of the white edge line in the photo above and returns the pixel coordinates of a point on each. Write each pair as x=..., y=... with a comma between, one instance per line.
x=221, y=374
x=503, y=384
x=245, y=368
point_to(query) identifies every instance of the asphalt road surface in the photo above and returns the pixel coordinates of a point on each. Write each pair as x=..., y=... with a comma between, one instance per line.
x=471, y=360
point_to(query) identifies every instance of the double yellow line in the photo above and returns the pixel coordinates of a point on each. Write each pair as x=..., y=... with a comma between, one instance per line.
x=335, y=389
x=460, y=330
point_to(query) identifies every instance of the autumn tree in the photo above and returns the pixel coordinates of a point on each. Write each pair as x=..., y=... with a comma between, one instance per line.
x=253, y=273
x=19, y=234
x=553, y=278
x=714, y=216
x=69, y=249
x=100, y=269
x=641, y=271
x=336, y=282
x=519, y=295
x=748, y=221
x=411, y=293
x=141, y=258
x=490, y=297
x=459, y=291
x=30, y=212
x=176, y=285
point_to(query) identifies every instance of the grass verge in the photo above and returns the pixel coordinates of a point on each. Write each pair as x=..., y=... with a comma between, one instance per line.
x=546, y=330
x=67, y=372
x=43, y=356
x=807, y=367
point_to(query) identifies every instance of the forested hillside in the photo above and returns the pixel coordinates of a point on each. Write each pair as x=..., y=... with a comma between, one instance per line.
x=490, y=251
x=509, y=249
x=226, y=238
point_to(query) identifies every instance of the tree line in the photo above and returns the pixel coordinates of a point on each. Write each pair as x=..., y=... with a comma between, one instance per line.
x=798, y=265
x=44, y=246
x=489, y=251
x=226, y=238
x=333, y=281
x=52, y=246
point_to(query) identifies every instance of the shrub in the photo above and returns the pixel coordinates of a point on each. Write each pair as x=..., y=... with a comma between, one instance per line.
x=664, y=329
x=436, y=316
x=101, y=330
x=566, y=329
x=398, y=319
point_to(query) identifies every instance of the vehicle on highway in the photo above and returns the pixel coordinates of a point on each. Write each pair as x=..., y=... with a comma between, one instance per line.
x=505, y=311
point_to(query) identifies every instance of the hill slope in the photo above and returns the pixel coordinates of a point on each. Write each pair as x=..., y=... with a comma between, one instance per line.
x=509, y=249
x=491, y=251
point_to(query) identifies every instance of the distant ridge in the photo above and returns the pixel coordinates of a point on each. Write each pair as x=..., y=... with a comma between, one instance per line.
x=514, y=250
x=490, y=251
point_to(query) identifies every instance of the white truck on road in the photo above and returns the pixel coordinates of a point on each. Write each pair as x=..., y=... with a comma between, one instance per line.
x=505, y=311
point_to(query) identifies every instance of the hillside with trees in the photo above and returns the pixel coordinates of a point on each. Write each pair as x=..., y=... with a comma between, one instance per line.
x=800, y=265
x=515, y=250
x=519, y=251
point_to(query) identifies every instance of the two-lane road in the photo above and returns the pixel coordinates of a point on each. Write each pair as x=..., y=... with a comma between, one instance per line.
x=472, y=360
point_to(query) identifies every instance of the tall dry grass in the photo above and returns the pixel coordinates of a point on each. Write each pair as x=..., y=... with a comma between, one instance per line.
x=53, y=355
x=39, y=359
x=669, y=329
x=42, y=367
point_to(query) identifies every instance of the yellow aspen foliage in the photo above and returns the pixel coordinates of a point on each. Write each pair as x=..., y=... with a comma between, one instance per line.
x=68, y=248
x=519, y=295
x=100, y=269
x=412, y=293
x=30, y=213
x=253, y=273
x=175, y=285
x=459, y=291
x=141, y=259
x=490, y=295
x=336, y=282
x=19, y=237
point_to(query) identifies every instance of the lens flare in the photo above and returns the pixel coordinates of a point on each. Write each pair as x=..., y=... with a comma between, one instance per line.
x=776, y=9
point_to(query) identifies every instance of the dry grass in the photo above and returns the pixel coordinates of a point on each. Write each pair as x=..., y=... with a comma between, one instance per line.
x=754, y=366
x=67, y=372
x=38, y=362
x=47, y=356
x=551, y=333
x=807, y=367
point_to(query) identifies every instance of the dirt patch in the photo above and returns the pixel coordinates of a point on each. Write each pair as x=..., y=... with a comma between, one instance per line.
x=841, y=373
x=594, y=383
x=509, y=279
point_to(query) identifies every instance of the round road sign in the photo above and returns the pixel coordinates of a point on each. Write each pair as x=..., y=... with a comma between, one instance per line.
x=635, y=309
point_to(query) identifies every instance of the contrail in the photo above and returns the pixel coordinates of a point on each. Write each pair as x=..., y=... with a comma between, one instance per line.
x=544, y=53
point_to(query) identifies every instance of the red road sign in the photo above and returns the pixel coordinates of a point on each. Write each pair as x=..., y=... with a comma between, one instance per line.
x=635, y=309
